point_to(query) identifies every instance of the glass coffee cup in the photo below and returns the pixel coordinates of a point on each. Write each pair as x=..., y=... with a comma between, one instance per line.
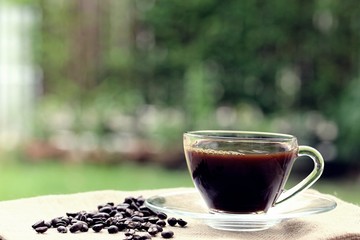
x=243, y=172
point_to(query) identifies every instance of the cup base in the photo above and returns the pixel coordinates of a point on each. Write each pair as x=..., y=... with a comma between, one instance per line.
x=216, y=211
x=172, y=203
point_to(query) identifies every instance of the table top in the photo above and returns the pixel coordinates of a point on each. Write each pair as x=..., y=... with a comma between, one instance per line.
x=17, y=217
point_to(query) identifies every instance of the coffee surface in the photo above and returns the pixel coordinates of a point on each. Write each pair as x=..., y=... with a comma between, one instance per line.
x=239, y=182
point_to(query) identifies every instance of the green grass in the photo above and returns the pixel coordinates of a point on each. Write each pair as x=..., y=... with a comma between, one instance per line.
x=24, y=179
x=344, y=189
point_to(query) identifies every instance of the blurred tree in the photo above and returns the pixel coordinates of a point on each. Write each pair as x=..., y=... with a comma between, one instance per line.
x=251, y=43
x=281, y=57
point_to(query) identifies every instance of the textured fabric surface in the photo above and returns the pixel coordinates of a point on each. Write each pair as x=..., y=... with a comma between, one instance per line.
x=17, y=216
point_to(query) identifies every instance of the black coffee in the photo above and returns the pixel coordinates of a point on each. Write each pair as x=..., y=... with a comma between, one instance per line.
x=238, y=182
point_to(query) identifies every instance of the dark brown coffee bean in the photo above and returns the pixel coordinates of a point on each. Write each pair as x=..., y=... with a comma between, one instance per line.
x=61, y=223
x=153, y=230
x=109, y=221
x=62, y=229
x=130, y=232
x=41, y=229
x=134, y=225
x=159, y=228
x=167, y=234
x=122, y=207
x=132, y=215
x=140, y=200
x=76, y=227
x=97, y=227
x=172, y=221
x=72, y=214
x=145, y=236
x=128, y=200
x=113, y=213
x=121, y=226
x=138, y=214
x=113, y=229
x=84, y=228
x=73, y=221
x=137, y=219
x=106, y=209
x=128, y=212
x=39, y=224
x=162, y=215
x=145, y=225
x=161, y=223
x=181, y=222
x=134, y=206
x=153, y=219
x=101, y=215
x=56, y=221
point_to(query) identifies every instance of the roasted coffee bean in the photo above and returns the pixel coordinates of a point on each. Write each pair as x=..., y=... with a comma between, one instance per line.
x=41, y=229
x=172, y=221
x=134, y=206
x=162, y=215
x=109, y=221
x=73, y=221
x=122, y=207
x=39, y=224
x=56, y=222
x=113, y=229
x=62, y=229
x=131, y=216
x=146, y=213
x=167, y=234
x=161, y=223
x=181, y=222
x=145, y=225
x=76, y=227
x=145, y=236
x=159, y=228
x=128, y=200
x=101, y=215
x=121, y=226
x=106, y=209
x=84, y=228
x=128, y=212
x=138, y=214
x=89, y=220
x=130, y=232
x=136, y=237
x=137, y=219
x=82, y=218
x=140, y=200
x=134, y=225
x=153, y=230
x=113, y=213
x=153, y=219
x=97, y=227
x=72, y=214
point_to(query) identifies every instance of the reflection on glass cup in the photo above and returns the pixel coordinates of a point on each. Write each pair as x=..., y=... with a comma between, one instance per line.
x=245, y=172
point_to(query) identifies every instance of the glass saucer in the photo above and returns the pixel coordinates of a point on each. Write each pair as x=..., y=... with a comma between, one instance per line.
x=189, y=204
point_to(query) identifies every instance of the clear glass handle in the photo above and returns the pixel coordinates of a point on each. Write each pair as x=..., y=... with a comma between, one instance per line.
x=311, y=178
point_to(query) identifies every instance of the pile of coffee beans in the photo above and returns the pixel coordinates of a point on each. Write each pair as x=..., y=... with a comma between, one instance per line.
x=132, y=217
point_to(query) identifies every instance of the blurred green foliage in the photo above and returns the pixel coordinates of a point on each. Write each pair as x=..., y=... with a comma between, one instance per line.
x=247, y=45
x=170, y=66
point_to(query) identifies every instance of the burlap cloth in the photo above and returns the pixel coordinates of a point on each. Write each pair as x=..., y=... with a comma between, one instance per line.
x=17, y=216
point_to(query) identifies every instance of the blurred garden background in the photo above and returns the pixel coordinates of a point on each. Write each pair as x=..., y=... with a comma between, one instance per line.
x=95, y=94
